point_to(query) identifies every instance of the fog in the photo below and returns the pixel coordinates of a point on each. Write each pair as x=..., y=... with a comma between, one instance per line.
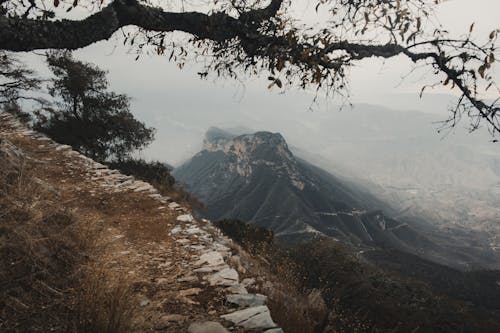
x=388, y=140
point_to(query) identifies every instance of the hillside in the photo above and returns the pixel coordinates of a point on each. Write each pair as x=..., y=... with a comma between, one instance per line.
x=256, y=178
x=87, y=249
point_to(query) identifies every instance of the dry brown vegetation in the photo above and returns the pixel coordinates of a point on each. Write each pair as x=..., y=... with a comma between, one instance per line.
x=319, y=286
x=49, y=273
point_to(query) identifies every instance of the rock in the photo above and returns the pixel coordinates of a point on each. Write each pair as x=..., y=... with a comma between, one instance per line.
x=248, y=282
x=144, y=302
x=193, y=231
x=212, y=258
x=257, y=317
x=246, y=300
x=63, y=147
x=189, y=292
x=173, y=205
x=236, y=261
x=162, y=281
x=185, y=217
x=237, y=289
x=275, y=330
x=205, y=270
x=207, y=327
x=165, y=320
x=175, y=230
x=188, y=279
x=225, y=277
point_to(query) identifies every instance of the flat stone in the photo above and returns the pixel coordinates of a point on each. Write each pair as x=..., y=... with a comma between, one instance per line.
x=246, y=300
x=212, y=258
x=193, y=231
x=204, y=270
x=165, y=320
x=197, y=247
x=144, y=188
x=188, y=279
x=63, y=147
x=275, y=330
x=225, y=277
x=175, y=230
x=248, y=282
x=185, y=218
x=189, y=292
x=237, y=289
x=257, y=317
x=207, y=327
x=173, y=205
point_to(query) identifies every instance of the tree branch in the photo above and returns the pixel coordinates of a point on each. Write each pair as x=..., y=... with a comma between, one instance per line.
x=21, y=34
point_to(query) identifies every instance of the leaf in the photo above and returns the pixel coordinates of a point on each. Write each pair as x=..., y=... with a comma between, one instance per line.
x=472, y=27
x=278, y=83
x=56, y=3
x=481, y=70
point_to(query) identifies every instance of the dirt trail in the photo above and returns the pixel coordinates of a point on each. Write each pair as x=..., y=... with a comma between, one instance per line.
x=180, y=266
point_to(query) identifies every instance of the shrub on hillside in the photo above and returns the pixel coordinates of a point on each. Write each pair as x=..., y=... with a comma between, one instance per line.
x=253, y=238
x=157, y=174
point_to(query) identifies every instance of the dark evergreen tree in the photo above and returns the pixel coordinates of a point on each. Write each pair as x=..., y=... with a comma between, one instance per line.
x=87, y=116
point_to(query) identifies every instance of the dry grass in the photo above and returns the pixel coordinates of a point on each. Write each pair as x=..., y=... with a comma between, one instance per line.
x=47, y=280
x=104, y=302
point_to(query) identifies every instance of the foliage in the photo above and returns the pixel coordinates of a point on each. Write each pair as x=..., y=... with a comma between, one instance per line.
x=251, y=237
x=363, y=298
x=89, y=118
x=235, y=37
x=15, y=81
x=155, y=173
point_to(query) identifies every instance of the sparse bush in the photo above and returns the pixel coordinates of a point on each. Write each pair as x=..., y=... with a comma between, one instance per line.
x=358, y=297
x=254, y=239
x=157, y=174
x=104, y=303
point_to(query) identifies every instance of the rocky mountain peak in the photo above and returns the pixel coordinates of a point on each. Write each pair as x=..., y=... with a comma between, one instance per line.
x=246, y=152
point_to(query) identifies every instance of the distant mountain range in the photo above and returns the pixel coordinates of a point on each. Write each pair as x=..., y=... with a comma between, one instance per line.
x=256, y=178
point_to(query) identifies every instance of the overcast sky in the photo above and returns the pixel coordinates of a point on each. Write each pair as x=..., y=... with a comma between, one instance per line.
x=182, y=107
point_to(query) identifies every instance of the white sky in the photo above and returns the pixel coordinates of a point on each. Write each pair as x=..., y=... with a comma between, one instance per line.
x=182, y=107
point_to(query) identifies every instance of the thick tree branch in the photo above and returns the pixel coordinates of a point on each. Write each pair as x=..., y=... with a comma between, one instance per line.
x=21, y=34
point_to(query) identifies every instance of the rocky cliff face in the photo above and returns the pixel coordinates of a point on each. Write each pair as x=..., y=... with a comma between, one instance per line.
x=255, y=177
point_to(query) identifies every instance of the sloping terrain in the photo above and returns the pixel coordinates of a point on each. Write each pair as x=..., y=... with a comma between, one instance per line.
x=183, y=275
x=256, y=178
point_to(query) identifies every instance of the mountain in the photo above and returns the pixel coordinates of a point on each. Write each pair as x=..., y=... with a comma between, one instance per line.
x=256, y=178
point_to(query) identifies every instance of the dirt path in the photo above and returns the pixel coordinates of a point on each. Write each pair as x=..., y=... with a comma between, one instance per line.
x=181, y=268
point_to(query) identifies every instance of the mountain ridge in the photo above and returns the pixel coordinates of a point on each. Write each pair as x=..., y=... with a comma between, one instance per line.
x=256, y=178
